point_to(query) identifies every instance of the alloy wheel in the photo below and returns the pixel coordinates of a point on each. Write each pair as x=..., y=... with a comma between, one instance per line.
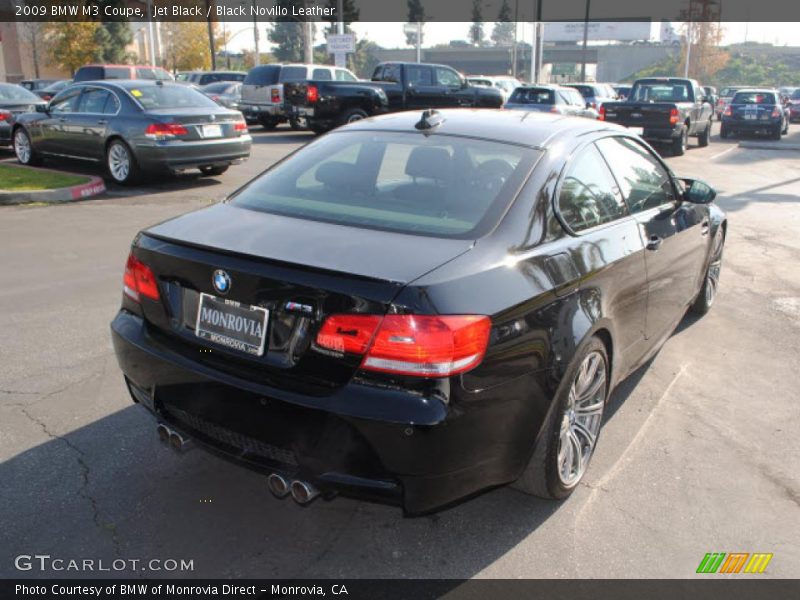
x=119, y=162
x=581, y=420
x=22, y=147
x=714, y=268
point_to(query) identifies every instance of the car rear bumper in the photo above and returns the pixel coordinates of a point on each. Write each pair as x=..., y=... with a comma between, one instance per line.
x=178, y=155
x=661, y=134
x=751, y=126
x=258, y=111
x=5, y=133
x=486, y=442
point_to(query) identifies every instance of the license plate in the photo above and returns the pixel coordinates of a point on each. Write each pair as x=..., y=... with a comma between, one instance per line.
x=212, y=131
x=232, y=324
x=306, y=112
x=636, y=130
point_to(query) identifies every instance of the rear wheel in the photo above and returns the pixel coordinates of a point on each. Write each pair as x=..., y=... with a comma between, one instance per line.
x=121, y=164
x=268, y=123
x=297, y=124
x=705, y=299
x=213, y=170
x=776, y=134
x=704, y=138
x=569, y=437
x=680, y=143
x=353, y=115
x=23, y=148
x=723, y=132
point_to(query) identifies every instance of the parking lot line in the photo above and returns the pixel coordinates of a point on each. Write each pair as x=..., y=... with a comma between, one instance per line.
x=723, y=153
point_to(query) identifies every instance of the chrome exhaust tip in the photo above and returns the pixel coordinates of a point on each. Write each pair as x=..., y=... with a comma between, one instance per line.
x=177, y=442
x=303, y=492
x=278, y=485
x=163, y=432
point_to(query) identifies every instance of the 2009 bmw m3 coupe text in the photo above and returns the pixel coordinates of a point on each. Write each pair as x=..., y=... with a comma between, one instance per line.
x=417, y=307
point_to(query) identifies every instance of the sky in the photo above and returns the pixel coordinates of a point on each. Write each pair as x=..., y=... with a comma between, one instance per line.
x=390, y=35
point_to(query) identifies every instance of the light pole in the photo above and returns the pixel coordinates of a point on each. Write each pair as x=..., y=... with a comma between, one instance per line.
x=585, y=40
x=688, y=49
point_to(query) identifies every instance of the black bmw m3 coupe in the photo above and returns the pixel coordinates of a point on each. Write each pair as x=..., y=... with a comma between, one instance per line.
x=417, y=307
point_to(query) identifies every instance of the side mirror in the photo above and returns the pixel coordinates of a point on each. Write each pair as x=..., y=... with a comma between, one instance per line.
x=464, y=84
x=42, y=108
x=698, y=192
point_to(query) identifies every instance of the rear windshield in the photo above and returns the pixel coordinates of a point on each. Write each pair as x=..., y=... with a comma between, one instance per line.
x=796, y=94
x=660, y=92
x=117, y=73
x=587, y=91
x=294, y=74
x=728, y=91
x=754, y=98
x=13, y=93
x=170, y=96
x=532, y=96
x=266, y=75
x=152, y=73
x=404, y=182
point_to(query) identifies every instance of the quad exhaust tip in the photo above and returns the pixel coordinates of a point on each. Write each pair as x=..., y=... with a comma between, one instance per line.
x=176, y=441
x=303, y=492
x=278, y=485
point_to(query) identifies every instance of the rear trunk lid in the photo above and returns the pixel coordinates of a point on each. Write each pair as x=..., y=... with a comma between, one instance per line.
x=751, y=112
x=299, y=271
x=633, y=114
x=200, y=123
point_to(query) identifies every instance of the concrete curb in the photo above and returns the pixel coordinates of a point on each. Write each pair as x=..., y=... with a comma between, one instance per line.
x=769, y=145
x=93, y=187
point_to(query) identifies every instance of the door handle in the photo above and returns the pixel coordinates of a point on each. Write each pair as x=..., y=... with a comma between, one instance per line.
x=654, y=243
x=704, y=228
x=62, y=119
x=102, y=122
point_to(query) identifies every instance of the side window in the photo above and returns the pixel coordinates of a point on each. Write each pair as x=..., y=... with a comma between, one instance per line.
x=112, y=105
x=345, y=75
x=447, y=77
x=321, y=74
x=66, y=104
x=92, y=101
x=586, y=197
x=391, y=73
x=642, y=179
x=419, y=75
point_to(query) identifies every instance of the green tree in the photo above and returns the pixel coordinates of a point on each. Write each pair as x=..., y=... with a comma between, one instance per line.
x=288, y=34
x=503, y=32
x=416, y=14
x=72, y=45
x=114, y=45
x=475, y=35
x=349, y=11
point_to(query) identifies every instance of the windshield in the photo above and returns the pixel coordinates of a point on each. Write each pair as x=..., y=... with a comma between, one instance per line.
x=170, y=96
x=796, y=94
x=531, y=96
x=660, y=92
x=16, y=93
x=754, y=98
x=405, y=182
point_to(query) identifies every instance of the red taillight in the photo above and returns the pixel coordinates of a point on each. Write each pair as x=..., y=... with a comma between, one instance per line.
x=47, y=97
x=554, y=109
x=240, y=126
x=215, y=98
x=5, y=115
x=139, y=280
x=673, y=116
x=419, y=345
x=776, y=113
x=312, y=94
x=728, y=111
x=602, y=116
x=275, y=94
x=165, y=130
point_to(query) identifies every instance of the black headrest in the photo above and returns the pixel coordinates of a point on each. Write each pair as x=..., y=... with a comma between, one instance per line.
x=431, y=163
x=336, y=174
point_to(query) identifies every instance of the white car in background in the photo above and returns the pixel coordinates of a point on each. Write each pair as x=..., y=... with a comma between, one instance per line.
x=505, y=84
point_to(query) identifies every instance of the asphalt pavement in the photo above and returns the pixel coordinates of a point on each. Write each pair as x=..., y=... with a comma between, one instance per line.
x=698, y=453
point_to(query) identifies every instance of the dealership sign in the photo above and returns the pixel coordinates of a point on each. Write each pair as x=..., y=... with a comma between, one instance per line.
x=620, y=31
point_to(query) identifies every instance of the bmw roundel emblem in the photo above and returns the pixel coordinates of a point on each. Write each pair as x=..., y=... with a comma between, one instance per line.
x=221, y=281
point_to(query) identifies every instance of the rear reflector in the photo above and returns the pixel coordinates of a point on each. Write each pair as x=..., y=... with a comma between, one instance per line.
x=418, y=345
x=139, y=280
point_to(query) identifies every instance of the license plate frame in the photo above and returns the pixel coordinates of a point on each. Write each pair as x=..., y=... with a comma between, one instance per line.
x=211, y=131
x=219, y=333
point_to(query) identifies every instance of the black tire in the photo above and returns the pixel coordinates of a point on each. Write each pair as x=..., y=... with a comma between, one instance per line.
x=213, y=170
x=30, y=158
x=680, y=143
x=268, y=123
x=317, y=129
x=115, y=153
x=704, y=138
x=708, y=291
x=541, y=475
x=296, y=125
x=353, y=115
x=776, y=135
x=723, y=132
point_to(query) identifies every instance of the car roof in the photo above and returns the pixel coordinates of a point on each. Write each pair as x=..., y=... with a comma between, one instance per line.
x=128, y=84
x=532, y=129
x=757, y=91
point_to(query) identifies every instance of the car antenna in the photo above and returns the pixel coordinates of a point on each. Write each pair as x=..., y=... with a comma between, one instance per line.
x=430, y=119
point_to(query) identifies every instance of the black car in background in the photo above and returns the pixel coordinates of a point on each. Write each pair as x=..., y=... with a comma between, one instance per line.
x=14, y=101
x=134, y=127
x=794, y=106
x=418, y=306
x=47, y=93
x=395, y=86
x=36, y=84
x=755, y=111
